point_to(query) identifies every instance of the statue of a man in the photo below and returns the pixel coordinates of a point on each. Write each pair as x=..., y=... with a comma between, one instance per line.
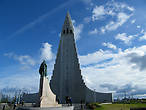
x=43, y=69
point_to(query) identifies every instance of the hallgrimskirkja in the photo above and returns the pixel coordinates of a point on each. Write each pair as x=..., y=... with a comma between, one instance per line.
x=67, y=80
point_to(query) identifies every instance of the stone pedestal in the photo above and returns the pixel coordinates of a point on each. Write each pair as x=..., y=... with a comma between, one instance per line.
x=47, y=97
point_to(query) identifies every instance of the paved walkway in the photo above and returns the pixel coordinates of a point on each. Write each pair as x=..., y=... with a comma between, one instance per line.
x=49, y=108
x=104, y=103
x=64, y=107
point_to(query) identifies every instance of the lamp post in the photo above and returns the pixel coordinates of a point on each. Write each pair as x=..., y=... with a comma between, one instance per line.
x=95, y=95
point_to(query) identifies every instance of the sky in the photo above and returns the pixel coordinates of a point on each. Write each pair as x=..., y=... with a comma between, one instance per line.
x=110, y=39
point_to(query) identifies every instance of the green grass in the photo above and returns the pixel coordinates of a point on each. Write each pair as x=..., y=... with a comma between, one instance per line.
x=120, y=106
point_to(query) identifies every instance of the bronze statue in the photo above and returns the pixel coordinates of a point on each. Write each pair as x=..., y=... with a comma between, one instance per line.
x=43, y=69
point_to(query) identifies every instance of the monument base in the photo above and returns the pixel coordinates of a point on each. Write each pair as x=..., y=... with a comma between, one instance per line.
x=46, y=108
x=47, y=97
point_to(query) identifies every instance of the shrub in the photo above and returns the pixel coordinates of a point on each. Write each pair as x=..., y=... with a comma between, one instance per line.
x=93, y=105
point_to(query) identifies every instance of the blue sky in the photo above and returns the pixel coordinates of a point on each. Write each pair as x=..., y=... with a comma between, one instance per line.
x=110, y=38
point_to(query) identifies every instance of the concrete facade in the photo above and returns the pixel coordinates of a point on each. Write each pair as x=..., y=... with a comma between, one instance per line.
x=67, y=79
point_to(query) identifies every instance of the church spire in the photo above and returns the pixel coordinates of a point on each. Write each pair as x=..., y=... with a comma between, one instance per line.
x=68, y=26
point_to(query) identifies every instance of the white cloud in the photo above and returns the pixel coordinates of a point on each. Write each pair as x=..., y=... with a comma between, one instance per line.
x=46, y=52
x=77, y=30
x=87, y=19
x=111, y=8
x=93, y=59
x=121, y=19
x=22, y=76
x=26, y=60
x=117, y=12
x=142, y=31
x=138, y=26
x=118, y=71
x=102, y=30
x=133, y=21
x=95, y=31
x=123, y=37
x=143, y=37
x=130, y=8
x=16, y=78
x=109, y=45
x=73, y=21
x=119, y=6
x=98, y=13
x=23, y=59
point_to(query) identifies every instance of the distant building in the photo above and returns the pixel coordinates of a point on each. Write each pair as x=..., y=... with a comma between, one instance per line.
x=30, y=98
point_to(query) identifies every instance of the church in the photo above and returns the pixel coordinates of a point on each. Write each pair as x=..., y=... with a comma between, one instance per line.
x=66, y=80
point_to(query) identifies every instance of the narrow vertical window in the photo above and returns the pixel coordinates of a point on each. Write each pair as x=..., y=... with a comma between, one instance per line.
x=67, y=30
x=63, y=31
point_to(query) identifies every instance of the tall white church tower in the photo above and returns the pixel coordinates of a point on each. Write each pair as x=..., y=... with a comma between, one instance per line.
x=67, y=79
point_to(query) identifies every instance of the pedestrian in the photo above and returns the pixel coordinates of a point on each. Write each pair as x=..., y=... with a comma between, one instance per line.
x=22, y=103
x=14, y=106
x=66, y=99
x=81, y=104
x=4, y=107
x=58, y=100
x=70, y=100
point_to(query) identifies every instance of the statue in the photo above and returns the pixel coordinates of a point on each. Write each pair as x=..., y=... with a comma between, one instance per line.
x=43, y=69
x=46, y=97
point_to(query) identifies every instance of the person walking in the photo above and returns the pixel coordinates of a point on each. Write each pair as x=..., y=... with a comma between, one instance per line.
x=4, y=107
x=14, y=106
x=70, y=101
x=22, y=103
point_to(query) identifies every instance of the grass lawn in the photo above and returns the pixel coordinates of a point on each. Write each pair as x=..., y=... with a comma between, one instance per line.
x=120, y=106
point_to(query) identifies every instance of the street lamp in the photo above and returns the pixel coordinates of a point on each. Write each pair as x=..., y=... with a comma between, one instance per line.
x=95, y=95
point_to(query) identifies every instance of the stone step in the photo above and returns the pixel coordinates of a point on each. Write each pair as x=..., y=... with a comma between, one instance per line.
x=46, y=108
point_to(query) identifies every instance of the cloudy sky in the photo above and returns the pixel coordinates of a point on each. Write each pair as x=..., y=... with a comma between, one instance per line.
x=110, y=38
